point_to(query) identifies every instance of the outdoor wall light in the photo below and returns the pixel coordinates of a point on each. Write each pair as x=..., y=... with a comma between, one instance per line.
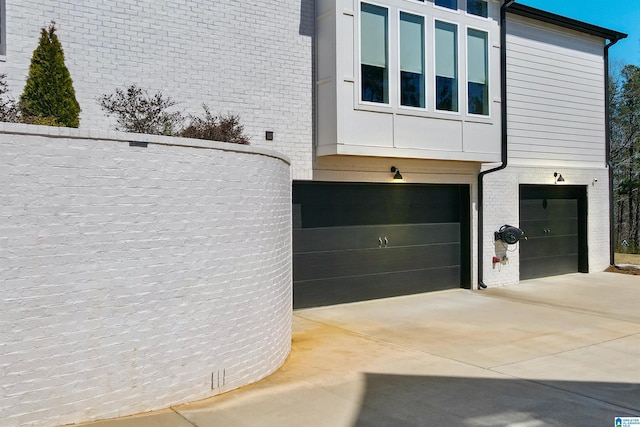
x=397, y=172
x=558, y=177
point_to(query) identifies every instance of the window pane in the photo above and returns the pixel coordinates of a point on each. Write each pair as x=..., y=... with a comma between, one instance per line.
x=374, y=84
x=451, y=4
x=446, y=66
x=477, y=7
x=412, y=89
x=478, y=96
x=477, y=55
x=477, y=63
x=373, y=53
x=411, y=60
x=374, y=35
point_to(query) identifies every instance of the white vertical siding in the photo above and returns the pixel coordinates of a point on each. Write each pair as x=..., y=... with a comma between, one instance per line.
x=555, y=95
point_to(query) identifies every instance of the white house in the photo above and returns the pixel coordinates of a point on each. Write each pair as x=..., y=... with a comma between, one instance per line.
x=493, y=112
x=416, y=130
x=442, y=90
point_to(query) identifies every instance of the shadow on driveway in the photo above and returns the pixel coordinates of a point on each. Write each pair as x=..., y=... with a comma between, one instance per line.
x=409, y=400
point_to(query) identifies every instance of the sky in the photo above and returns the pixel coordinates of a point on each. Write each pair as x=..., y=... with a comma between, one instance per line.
x=620, y=15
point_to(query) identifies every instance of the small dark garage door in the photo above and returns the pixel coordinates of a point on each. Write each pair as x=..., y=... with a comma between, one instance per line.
x=554, y=219
x=355, y=242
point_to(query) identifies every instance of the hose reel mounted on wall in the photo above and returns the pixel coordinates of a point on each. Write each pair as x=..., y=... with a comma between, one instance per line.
x=509, y=234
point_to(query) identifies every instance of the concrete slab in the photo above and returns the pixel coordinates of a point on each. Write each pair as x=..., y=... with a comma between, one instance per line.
x=608, y=372
x=323, y=381
x=473, y=328
x=420, y=401
x=164, y=418
x=612, y=295
x=561, y=351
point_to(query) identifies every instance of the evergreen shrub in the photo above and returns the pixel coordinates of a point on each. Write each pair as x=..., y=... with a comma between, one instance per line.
x=48, y=96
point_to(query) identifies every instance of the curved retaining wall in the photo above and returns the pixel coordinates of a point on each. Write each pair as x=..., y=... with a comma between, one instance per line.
x=137, y=278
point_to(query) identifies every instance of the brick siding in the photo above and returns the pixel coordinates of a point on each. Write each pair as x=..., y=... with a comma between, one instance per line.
x=255, y=61
x=133, y=276
x=501, y=206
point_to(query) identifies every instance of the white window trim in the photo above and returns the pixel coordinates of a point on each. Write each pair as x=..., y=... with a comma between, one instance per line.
x=425, y=67
x=466, y=77
x=359, y=15
x=433, y=68
x=431, y=14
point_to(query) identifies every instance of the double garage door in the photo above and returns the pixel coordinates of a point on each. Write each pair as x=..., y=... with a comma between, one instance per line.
x=554, y=218
x=355, y=242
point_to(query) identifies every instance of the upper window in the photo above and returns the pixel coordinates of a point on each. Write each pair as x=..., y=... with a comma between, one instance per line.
x=412, y=81
x=478, y=8
x=374, y=56
x=3, y=32
x=477, y=72
x=446, y=40
x=449, y=4
x=395, y=60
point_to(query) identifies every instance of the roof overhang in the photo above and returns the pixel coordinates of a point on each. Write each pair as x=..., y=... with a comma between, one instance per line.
x=562, y=21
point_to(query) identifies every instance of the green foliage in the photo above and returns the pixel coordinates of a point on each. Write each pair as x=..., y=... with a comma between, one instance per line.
x=216, y=128
x=42, y=121
x=625, y=155
x=10, y=110
x=48, y=95
x=136, y=111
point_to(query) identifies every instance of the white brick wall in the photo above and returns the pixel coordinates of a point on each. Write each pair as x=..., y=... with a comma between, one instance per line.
x=131, y=276
x=501, y=206
x=253, y=60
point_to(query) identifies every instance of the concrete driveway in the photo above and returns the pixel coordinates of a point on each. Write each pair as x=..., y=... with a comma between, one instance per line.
x=562, y=351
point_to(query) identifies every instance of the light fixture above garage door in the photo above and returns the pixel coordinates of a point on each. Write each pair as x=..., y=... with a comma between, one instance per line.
x=397, y=175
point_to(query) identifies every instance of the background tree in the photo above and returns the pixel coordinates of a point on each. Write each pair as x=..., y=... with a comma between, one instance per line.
x=625, y=155
x=48, y=95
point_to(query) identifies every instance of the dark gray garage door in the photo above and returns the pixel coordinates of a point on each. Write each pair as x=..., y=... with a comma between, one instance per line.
x=554, y=219
x=355, y=242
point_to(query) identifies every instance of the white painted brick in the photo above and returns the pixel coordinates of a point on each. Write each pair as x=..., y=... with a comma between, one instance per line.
x=501, y=207
x=130, y=275
x=196, y=52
